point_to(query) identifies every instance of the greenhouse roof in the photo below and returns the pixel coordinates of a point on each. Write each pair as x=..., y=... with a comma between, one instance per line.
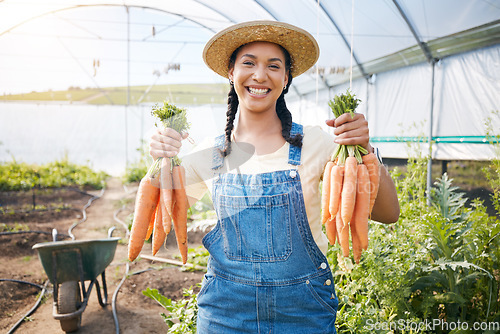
x=60, y=43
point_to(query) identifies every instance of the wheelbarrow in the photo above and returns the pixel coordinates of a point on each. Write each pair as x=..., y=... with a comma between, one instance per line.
x=68, y=264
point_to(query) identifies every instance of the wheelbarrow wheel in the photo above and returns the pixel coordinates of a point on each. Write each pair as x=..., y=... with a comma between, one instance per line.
x=69, y=301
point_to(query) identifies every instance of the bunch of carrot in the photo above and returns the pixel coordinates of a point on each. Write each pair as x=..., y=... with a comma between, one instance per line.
x=350, y=186
x=161, y=199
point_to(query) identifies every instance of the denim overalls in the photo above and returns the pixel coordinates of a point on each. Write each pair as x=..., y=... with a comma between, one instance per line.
x=265, y=274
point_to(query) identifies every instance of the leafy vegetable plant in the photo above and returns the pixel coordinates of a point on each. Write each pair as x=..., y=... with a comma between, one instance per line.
x=342, y=104
x=181, y=317
x=169, y=116
x=61, y=173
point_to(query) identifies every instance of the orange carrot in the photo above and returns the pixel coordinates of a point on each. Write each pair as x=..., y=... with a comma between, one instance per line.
x=166, y=219
x=166, y=185
x=151, y=225
x=361, y=209
x=158, y=232
x=337, y=178
x=325, y=192
x=349, y=189
x=356, y=246
x=359, y=220
x=343, y=234
x=331, y=230
x=371, y=162
x=179, y=213
x=145, y=205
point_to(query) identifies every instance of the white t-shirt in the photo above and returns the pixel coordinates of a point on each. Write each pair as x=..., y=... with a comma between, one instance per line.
x=317, y=148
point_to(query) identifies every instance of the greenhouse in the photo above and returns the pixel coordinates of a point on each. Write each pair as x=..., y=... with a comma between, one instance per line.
x=80, y=82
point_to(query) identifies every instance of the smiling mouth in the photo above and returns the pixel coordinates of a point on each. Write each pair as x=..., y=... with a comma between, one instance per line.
x=258, y=91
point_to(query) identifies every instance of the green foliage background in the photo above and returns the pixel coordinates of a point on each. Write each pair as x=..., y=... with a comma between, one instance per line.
x=16, y=176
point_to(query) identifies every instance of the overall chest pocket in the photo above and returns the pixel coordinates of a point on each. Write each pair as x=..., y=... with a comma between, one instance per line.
x=256, y=228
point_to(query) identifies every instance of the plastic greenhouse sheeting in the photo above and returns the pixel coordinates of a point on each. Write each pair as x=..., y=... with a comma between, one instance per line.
x=103, y=137
x=380, y=30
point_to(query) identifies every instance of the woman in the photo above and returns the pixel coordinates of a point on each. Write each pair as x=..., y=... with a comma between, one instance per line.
x=267, y=269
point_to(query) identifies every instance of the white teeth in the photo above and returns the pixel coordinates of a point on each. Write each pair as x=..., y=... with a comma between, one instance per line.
x=258, y=91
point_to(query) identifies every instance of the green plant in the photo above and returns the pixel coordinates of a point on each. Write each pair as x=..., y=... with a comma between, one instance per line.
x=197, y=257
x=135, y=171
x=493, y=171
x=61, y=173
x=181, y=317
x=457, y=282
x=343, y=104
x=17, y=227
x=170, y=116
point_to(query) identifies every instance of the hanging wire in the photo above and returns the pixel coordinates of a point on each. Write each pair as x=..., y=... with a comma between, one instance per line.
x=352, y=44
x=317, y=67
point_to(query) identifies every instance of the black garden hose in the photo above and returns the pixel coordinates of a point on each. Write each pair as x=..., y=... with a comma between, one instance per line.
x=32, y=310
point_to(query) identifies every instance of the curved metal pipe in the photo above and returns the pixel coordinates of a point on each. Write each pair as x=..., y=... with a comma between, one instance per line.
x=99, y=5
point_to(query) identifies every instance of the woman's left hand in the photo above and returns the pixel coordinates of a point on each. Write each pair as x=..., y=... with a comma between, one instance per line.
x=351, y=130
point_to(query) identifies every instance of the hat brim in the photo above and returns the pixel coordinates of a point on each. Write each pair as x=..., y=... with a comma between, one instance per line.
x=301, y=45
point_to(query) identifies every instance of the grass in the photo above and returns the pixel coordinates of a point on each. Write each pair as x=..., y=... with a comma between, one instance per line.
x=179, y=94
x=22, y=176
x=466, y=174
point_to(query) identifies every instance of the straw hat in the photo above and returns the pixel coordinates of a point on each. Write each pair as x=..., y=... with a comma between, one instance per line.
x=300, y=44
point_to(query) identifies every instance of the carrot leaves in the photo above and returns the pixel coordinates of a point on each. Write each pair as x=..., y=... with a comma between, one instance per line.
x=342, y=104
x=169, y=116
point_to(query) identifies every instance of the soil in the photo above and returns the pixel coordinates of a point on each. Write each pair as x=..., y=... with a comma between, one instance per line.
x=61, y=209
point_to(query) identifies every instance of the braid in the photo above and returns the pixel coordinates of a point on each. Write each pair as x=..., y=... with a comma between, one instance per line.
x=286, y=118
x=232, y=108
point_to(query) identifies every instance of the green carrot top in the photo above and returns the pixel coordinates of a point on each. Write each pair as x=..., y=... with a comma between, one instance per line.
x=172, y=117
x=342, y=104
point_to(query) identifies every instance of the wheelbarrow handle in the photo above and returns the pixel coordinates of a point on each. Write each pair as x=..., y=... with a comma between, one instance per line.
x=110, y=231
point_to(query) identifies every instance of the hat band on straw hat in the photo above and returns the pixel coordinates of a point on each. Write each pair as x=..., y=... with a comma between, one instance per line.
x=301, y=45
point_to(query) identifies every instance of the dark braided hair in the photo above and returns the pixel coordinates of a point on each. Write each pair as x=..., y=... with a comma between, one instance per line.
x=232, y=108
x=285, y=117
x=281, y=109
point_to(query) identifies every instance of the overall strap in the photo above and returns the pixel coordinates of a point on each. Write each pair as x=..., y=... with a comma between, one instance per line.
x=217, y=157
x=294, y=152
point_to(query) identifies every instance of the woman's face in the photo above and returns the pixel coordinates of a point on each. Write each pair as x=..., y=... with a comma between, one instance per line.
x=259, y=75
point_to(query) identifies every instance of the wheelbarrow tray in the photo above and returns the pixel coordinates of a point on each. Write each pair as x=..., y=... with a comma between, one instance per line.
x=95, y=256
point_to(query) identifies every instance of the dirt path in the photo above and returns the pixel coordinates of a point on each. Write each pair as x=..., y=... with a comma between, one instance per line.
x=136, y=312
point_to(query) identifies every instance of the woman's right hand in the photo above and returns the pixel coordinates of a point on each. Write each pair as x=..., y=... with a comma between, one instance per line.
x=165, y=143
